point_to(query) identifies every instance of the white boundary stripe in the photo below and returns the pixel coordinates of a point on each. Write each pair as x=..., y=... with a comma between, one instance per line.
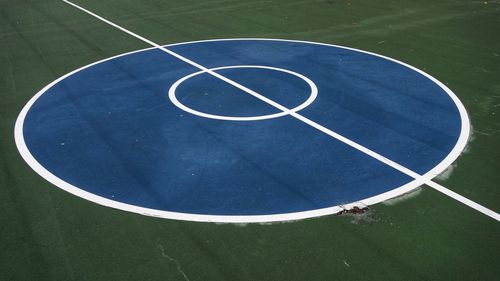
x=419, y=180
x=464, y=200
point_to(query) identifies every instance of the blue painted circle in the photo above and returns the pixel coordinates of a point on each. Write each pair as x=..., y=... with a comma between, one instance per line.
x=109, y=133
x=227, y=101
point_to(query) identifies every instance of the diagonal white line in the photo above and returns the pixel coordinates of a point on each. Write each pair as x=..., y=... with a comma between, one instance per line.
x=423, y=179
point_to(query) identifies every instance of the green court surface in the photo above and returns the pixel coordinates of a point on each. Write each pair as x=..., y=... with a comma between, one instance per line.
x=49, y=234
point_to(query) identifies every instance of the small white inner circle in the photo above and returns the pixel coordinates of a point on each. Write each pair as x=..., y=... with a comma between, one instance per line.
x=312, y=96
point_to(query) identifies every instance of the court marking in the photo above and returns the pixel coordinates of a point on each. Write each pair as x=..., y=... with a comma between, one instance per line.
x=47, y=175
x=419, y=179
x=310, y=99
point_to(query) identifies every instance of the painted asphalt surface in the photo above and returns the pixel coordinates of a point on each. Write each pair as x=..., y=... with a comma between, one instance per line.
x=50, y=234
x=111, y=129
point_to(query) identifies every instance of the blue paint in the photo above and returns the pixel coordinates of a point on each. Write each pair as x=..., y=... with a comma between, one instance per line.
x=209, y=94
x=111, y=129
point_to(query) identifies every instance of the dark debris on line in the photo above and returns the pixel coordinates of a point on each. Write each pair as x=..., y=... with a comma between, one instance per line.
x=353, y=211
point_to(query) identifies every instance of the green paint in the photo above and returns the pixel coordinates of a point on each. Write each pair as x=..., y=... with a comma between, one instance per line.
x=48, y=234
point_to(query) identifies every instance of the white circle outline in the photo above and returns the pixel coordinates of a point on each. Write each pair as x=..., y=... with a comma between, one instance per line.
x=47, y=175
x=306, y=103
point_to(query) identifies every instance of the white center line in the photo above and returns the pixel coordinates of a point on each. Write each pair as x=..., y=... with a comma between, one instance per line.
x=423, y=179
